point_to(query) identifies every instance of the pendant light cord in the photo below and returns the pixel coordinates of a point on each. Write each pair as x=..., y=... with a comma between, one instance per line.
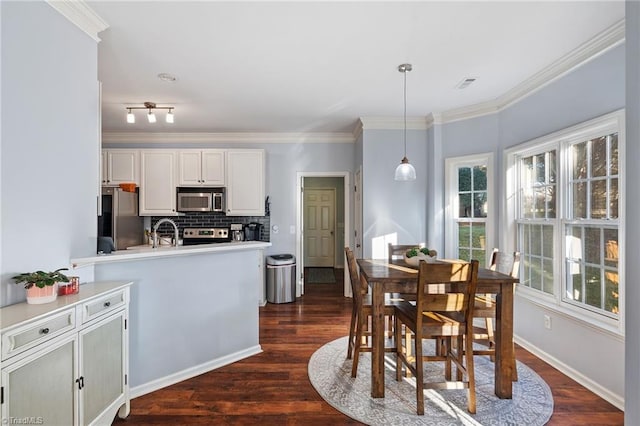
x=405, y=113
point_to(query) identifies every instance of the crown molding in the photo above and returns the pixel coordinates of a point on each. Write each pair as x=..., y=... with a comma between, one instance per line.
x=393, y=123
x=228, y=138
x=470, y=111
x=598, y=45
x=81, y=15
x=357, y=131
x=433, y=119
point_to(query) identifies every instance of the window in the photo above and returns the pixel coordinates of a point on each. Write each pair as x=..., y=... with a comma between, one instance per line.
x=468, y=188
x=565, y=207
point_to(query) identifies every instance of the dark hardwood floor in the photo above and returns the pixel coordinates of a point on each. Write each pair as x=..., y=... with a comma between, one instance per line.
x=273, y=388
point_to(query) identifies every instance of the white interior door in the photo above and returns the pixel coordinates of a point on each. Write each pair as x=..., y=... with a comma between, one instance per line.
x=319, y=227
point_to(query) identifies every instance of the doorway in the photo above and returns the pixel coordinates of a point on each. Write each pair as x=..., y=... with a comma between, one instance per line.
x=319, y=225
x=323, y=222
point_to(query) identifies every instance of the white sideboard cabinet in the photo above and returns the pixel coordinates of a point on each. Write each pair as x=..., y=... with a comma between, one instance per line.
x=66, y=362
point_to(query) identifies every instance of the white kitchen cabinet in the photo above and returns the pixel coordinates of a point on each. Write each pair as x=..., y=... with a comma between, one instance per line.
x=158, y=182
x=120, y=166
x=245, y=182
x=66, y=362
x=201, y=167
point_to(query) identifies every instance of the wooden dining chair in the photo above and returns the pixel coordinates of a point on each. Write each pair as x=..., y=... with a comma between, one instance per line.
x=360, y=330
x=441, y=316
x=485, y=304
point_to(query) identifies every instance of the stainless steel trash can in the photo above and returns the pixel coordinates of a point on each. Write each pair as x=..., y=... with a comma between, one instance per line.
x=281, y=278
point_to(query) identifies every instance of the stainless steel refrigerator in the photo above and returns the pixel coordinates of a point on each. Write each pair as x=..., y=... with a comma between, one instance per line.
x=119, y=219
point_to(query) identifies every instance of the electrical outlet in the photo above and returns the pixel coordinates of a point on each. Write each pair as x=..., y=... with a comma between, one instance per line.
x=547, y=322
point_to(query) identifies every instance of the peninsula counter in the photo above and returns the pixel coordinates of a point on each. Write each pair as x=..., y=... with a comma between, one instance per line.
x=193, y=308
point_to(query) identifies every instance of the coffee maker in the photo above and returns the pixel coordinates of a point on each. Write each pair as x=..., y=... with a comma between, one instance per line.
x=252, y=231
x=237, y=234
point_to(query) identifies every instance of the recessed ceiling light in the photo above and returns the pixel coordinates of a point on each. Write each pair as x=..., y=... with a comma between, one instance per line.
x=166, y=77
x=465, y=83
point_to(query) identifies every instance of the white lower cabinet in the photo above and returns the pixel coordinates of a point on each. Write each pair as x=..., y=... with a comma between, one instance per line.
x=78, y=377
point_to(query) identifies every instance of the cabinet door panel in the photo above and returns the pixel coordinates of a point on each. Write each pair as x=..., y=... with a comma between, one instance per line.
x=158, y=187
x=102, y=366
x=42, y=388
x=245, y=182
x=123, y=166
x=190, y=168
x=213, y=167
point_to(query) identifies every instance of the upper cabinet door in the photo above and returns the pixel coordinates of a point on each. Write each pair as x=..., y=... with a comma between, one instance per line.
x=245, y=182
x=123, y=166
x=190, y=168
x=202, y=167
x=213, y=173
x=158, y=182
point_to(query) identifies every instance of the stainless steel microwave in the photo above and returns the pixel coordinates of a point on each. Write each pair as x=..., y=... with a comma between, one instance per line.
x=200, y=200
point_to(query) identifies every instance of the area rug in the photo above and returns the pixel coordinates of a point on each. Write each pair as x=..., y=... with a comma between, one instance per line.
x=320, y=276
x=330, y=375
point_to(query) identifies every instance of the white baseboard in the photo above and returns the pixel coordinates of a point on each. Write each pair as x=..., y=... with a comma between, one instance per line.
x=193, y=371
x=594, y=387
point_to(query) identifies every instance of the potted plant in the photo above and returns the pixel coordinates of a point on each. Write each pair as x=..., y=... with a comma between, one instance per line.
x=415, y=255
x=42, y=287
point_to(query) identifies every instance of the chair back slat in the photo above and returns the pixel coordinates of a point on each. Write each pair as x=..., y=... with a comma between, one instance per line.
x=505, y=263
x=397, y=251
x=459, y=283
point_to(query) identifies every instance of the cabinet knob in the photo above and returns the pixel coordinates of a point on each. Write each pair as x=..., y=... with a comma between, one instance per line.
x=107, y=304
x=44, y=330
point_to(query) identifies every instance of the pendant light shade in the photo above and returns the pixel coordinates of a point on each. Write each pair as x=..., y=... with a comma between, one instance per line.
x=405, y=171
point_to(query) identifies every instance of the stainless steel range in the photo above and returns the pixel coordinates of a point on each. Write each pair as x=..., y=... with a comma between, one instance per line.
x=193, y=236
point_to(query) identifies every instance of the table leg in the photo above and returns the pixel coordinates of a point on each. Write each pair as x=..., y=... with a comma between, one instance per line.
x=504, y=342
x=377, y=341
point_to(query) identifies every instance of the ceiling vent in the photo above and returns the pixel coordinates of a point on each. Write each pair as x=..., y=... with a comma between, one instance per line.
x=465, y=83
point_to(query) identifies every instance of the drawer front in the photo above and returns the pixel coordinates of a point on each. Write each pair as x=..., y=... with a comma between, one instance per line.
x=23, y=338
x=103, y=305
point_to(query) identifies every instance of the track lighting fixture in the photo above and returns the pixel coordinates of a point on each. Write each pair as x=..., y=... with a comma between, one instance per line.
x=151, y=117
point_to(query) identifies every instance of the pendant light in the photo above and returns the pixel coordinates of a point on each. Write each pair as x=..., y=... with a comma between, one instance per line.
x=405, y=171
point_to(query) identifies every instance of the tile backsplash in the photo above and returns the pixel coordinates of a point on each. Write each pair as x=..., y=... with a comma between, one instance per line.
x=212, y=220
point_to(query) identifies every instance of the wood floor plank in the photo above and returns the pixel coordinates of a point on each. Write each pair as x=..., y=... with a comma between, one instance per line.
x=273, y=388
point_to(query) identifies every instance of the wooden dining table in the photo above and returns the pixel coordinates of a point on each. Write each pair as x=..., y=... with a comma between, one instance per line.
x=396, y=276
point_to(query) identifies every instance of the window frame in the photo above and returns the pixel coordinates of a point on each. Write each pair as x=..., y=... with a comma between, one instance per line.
x=562, y=141
x=452, y=203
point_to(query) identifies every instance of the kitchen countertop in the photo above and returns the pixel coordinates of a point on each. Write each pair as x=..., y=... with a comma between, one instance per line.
x=148, y=252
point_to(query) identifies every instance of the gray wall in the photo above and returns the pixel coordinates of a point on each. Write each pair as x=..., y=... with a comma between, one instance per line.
x=389, y=206
x=283, y=162
x=49, y=151
x=632, y=198
x=594, y=89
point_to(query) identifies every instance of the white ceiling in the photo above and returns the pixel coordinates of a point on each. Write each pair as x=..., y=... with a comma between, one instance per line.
x=318, y=66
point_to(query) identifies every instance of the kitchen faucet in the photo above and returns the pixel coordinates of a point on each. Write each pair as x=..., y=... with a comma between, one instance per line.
x=155, y=231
